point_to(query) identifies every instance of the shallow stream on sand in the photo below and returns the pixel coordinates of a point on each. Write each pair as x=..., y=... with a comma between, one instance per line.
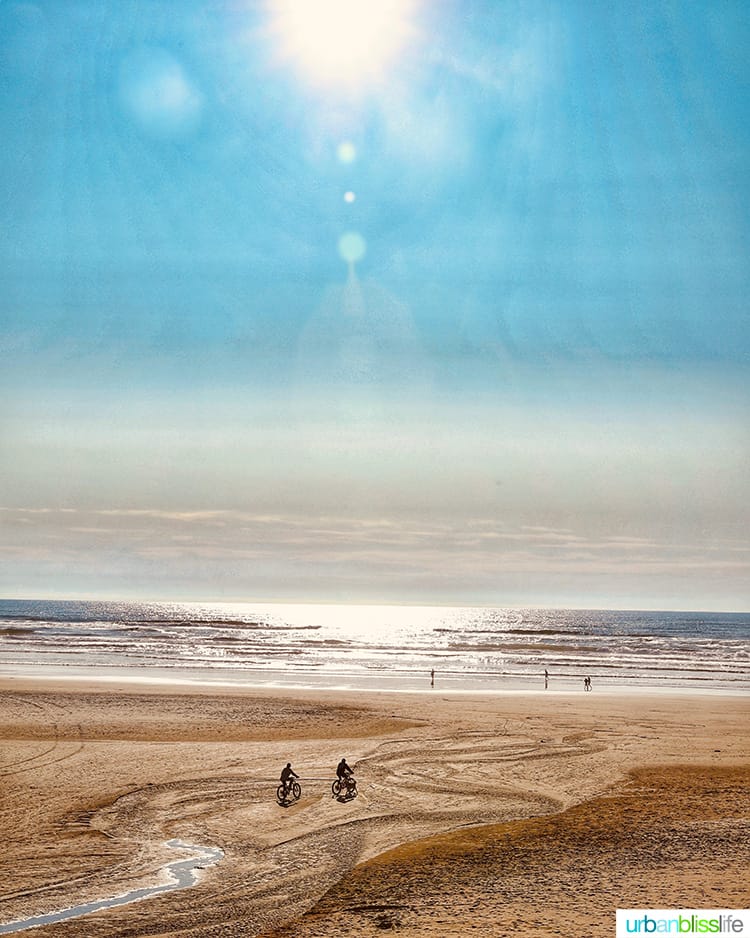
x=183, y=873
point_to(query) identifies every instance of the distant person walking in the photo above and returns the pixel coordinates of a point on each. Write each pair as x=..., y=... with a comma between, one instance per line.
x=546, y=679
x=587, y=683
x=432, y=678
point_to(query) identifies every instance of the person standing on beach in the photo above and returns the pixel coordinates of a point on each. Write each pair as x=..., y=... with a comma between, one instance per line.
x=432, y=678
x=546, y=678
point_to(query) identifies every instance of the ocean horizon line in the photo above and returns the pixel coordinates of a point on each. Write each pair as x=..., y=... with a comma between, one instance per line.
x=384, y=603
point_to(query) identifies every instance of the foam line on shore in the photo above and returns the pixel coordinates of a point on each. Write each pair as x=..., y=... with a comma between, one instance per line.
x=250, y=682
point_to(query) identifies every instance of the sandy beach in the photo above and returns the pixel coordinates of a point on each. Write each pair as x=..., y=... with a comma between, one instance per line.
x=527, y=814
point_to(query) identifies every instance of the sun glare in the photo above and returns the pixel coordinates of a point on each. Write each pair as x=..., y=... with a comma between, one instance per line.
x=344, y=42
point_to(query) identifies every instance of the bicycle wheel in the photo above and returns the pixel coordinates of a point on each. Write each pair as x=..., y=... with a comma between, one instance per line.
x=352, y=793
x=296, y=791
x=280, y=794
x=336, y=788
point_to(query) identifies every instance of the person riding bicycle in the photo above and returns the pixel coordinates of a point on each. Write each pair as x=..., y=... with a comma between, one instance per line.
x=344, y=773
x=287, y=774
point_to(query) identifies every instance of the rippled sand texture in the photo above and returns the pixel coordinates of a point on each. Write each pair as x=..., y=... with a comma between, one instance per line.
x=674, y=838
x=95, y=780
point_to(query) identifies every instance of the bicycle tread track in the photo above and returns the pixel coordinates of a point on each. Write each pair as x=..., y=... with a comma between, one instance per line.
x=99, y=810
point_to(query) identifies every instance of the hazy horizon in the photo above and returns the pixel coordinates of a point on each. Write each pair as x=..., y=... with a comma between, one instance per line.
x=415, y=604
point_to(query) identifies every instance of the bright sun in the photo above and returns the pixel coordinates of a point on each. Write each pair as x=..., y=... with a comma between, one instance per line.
x=345, y=42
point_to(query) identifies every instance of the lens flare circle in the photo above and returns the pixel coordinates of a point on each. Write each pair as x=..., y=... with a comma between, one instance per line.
x=352, y=247
x=157, y=93
x=342, y=42
x=346, y=152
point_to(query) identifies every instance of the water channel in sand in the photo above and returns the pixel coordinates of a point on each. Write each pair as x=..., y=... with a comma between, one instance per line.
x=183, y=874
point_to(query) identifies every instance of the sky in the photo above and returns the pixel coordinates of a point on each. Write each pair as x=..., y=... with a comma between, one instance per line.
x=423, y=302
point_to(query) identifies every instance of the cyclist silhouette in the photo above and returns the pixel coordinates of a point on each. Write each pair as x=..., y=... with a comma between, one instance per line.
x=287, y=774
x=343, y=771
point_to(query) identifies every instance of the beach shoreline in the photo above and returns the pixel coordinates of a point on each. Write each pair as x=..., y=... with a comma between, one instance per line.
x=262, y=681
x=100, y=773
x=377, y=648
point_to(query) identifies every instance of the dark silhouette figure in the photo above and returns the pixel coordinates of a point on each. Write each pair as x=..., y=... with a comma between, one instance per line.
x=432, y=678
x=287, y=774
x=343, y=771
x=546, y=679
x=346, y=780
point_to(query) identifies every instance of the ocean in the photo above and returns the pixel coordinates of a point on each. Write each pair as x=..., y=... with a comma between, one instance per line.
x=378, y=647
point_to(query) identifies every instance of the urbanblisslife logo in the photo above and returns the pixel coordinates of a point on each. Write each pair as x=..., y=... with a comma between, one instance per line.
x=683, y=922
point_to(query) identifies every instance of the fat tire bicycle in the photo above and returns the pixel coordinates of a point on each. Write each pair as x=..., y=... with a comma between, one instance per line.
x=344, y=788
x=285, y=794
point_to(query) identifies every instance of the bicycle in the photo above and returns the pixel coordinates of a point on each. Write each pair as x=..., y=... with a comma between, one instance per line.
x=286, y=792
x=344, y=787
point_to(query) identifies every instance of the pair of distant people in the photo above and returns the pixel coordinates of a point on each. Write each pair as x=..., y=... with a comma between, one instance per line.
x=586, y=681
x=343, y=772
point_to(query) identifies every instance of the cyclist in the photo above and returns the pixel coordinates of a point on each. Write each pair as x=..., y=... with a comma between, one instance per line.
x=344, y=773
x=287, y=774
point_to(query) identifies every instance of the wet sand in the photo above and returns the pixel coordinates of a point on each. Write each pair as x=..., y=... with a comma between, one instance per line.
x=530, y=814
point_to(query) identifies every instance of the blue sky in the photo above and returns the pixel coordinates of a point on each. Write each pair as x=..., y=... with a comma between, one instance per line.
x=532, y=386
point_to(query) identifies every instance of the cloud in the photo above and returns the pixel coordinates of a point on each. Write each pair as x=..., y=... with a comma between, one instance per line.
x=441, y=546
x=160, y=514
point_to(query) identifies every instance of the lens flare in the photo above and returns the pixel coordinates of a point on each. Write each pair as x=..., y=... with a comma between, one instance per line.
x=352, y=247
x=346, y=152
x=157, y=93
